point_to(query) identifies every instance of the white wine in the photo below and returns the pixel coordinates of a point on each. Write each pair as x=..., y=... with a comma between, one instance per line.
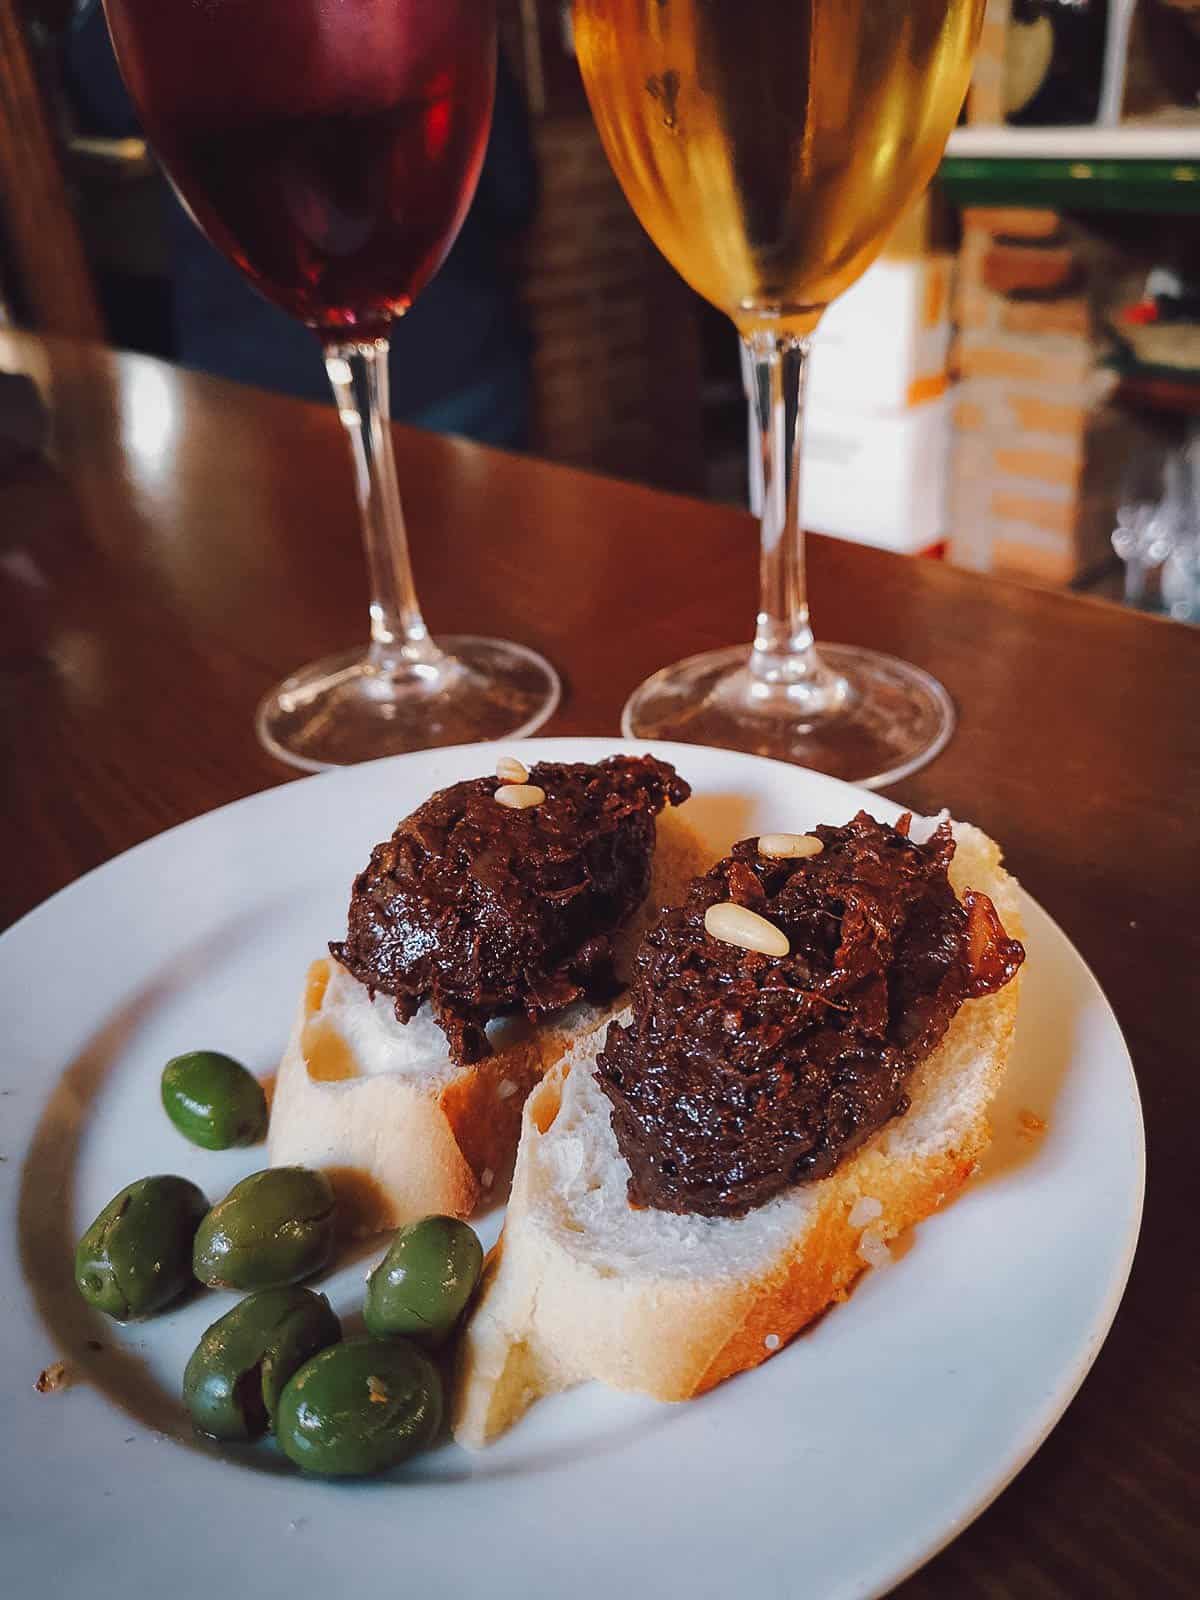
x=768, y=147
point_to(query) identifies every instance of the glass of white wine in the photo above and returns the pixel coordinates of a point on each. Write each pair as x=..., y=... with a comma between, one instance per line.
x=768, y=147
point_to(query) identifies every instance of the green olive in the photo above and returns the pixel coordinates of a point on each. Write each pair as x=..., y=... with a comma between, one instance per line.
x=137, y=1255
x=274, y=1227
x=422, y=1285
x=213, y=1100
x=359, y=1407
x=238, y=1370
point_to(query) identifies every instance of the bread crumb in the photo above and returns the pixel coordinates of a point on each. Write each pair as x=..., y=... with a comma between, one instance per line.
x=772, y=1341
x=866, y=1209
x=487, y=1177
x=1029, y=1125
x=872, y=1248
x=377, y=1390
x=505, y=1088
x=53, y=1378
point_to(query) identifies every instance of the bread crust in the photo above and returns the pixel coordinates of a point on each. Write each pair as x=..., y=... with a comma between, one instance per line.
x=393, y=1148
x=550, y=1316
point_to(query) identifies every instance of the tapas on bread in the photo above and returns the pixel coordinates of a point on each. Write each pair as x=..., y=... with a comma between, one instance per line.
x=725, y=1087
x=813, y=1037
x=490, y=932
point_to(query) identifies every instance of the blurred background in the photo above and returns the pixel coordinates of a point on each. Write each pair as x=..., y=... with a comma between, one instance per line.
x=1014, y=387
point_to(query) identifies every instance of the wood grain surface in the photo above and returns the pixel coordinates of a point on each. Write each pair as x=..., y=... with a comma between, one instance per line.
x=191, y=541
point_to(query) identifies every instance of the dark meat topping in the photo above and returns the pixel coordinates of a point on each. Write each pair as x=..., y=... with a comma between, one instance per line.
x=741, y=1074
x=483, y=910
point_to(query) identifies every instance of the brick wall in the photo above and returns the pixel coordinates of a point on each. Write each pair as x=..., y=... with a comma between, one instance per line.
x=616, y=347
x=1036, y=453
x=616, y=368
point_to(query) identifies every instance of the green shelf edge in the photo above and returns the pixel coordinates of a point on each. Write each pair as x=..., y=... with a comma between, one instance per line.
x=1147, y=186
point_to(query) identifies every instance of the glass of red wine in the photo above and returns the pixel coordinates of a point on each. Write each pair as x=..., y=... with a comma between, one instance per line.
x=330, y=149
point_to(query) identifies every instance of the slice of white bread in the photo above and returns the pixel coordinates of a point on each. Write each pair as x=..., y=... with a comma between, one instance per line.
x=583, y=1285
x=379, y=1106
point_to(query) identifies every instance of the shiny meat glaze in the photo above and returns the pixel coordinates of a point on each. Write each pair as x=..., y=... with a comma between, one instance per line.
x=482, y=909
x=742, y=1074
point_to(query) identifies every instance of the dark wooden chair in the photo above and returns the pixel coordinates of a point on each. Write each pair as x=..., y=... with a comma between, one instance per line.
x=39, y=236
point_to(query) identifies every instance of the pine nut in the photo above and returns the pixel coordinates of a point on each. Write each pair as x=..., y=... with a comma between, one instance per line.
x=519, y=796
x=512, y=770
x=738, y=925
x=789, y=846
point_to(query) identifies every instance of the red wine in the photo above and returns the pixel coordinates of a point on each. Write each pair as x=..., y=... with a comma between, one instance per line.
x=328, y=147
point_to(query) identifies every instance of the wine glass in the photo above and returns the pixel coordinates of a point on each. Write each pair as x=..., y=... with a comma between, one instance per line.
x=330, y=148
x=768, y=148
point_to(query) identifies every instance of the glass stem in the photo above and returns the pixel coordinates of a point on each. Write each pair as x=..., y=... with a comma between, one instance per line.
x=400, y=642
x=784, y=659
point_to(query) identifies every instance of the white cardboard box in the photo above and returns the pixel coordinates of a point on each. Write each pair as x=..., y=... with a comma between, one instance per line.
x=883, y=345
x=880, y=480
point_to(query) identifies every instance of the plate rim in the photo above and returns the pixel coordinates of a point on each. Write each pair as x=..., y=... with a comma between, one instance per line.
x=1056, y=1406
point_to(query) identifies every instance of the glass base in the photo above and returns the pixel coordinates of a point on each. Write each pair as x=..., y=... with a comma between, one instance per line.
x=888, y=718
x=345, y=709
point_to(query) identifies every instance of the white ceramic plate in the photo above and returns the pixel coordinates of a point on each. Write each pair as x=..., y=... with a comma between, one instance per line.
x=832, y=1471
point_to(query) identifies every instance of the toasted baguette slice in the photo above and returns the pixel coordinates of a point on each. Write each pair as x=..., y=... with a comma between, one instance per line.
x=379, y=1105
x=581, y=1285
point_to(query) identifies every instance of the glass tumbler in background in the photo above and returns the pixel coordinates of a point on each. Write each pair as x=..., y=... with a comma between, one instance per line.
x=331, y=150
x=1158, y=527
x=768, y=148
